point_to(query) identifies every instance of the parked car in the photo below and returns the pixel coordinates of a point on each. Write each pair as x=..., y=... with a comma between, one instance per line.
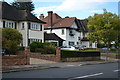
x=80, y=47
x=68, y=48
x=2, y=51
x=105, y=48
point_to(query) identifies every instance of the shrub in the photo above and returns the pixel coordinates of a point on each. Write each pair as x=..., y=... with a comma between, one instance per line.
x=44, y=48
x=11, y=38
x=85, y=53
x=21, y=48
x=33, y=46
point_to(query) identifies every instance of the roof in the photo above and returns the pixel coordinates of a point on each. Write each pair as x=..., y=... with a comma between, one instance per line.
x=52, y=36
x=59, y=22
x=82, y=25
x=11, y=13
x=64, y=23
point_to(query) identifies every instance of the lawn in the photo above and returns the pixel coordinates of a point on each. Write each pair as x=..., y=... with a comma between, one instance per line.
x=111, y=53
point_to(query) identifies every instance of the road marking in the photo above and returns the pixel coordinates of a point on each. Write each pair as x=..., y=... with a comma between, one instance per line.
x=116, y=70
x=70, y=65
x=86, y=76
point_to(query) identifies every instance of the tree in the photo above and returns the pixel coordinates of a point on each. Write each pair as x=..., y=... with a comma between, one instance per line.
x=11, y=40
x=104, y=28
x=28, y=6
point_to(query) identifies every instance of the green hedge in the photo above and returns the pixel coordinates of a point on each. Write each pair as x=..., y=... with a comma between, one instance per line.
x=82, y=53
x=43, y=48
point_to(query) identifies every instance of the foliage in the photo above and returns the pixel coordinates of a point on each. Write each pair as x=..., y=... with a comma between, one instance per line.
x=21, y=48
x=28, y=6
x=85, y=53
x=11, y=39
x=100, y=45
x=110, y=53
x=104, y=28
x=44, y=48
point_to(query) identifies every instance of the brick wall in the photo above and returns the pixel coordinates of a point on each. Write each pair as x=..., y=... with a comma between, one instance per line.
x=56, y=58
x=15, y=60
x=112, y=56
x=23, y=57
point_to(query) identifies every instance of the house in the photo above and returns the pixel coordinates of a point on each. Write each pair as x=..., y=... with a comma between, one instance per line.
x=31, y=28
x=72, y=30
x=52, y=37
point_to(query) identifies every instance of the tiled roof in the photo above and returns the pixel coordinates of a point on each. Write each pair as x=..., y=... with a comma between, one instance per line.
x=58, y=22
x=11, y=13
x=65, y=22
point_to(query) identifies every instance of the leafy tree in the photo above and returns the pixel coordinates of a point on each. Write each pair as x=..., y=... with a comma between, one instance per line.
x=28, y=6
x=11, y=39
x=104, y=28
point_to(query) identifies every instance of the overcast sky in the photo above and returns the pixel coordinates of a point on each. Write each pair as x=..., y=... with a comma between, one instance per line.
x=74, y=8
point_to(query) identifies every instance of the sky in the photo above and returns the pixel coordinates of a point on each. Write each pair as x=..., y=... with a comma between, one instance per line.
x=73, y=8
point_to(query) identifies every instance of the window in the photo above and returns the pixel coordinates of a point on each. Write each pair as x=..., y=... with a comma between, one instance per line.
x=31, y=40
x=8, y=24
x=23, y=26
x=63, y=32
x=71, y=43
x=79, y=38
x=35, y=26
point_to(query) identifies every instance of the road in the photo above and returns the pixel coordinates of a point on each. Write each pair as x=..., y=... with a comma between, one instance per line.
x=71, y=72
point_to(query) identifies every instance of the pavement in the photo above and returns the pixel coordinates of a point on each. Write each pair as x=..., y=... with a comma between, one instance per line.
x=18, y=68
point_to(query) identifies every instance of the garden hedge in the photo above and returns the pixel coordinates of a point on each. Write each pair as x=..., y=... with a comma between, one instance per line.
x=81, y=53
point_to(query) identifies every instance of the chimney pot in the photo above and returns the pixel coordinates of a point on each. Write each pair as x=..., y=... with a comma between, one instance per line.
x=41, y=16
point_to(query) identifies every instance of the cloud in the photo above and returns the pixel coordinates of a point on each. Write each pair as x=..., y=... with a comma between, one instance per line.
x=44, y=9
x=96, y=11
x=73, y=5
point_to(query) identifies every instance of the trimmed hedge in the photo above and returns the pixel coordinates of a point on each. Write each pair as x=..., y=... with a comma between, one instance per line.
x=43, y=48
x=75, y=53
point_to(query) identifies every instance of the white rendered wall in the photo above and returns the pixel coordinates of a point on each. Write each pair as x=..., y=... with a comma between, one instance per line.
x=1, y=24
x=23, y=32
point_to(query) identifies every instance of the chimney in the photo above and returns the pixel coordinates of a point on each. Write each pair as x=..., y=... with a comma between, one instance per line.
x=50, y=20
x=41, y=16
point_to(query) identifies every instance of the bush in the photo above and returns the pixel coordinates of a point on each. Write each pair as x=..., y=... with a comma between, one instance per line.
x=85, y=53
x=34, y=45
x=21, y=48
x=11, y=38
x=44, y=48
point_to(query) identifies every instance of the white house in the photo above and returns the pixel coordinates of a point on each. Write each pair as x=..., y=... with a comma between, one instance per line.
x=31, y=28
x=70, y=29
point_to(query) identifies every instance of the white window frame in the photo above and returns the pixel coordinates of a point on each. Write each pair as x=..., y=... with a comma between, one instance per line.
x=10, y=24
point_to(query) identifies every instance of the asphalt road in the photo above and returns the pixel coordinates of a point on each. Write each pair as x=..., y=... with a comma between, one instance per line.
x=71, y=72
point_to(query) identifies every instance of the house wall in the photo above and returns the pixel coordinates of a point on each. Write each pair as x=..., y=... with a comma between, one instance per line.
x=23, y=32
x=1, y=24
x=72, y=38
x=86, y=43
x=66, y=35
x=27, y=34
x=36, y=35
x=58, y=32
